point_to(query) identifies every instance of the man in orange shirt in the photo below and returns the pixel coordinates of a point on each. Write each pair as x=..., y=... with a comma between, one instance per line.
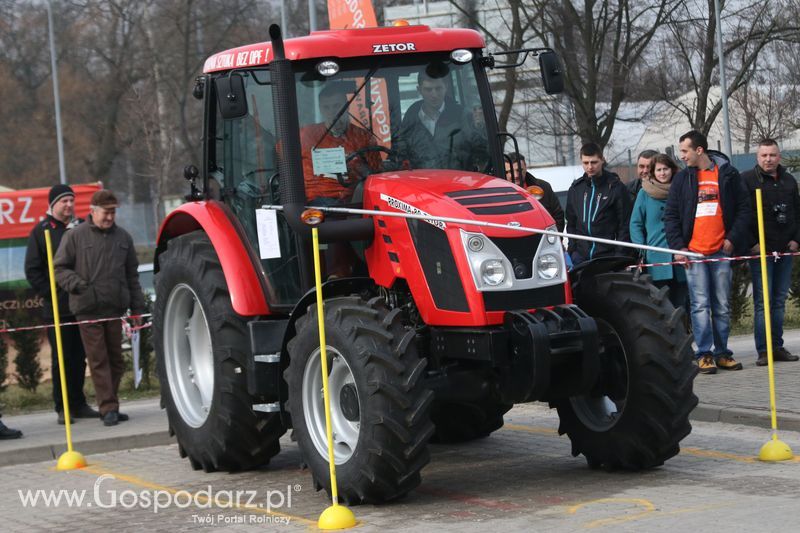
x=340, y=134
x=334, y=140
x=708, y=212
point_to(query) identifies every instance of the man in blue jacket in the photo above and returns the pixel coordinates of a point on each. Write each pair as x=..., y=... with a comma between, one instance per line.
x=598, y=205
x=708, y=212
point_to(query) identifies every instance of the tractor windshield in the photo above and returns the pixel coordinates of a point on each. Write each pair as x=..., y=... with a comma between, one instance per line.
x=386, y=113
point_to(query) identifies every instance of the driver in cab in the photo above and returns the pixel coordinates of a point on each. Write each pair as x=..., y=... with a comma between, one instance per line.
x=326, y=188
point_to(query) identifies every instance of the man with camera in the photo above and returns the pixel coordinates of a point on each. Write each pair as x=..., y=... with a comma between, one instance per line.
x=781, y=205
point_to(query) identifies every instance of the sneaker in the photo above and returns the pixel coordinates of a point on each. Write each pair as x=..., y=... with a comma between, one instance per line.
x=62, y=419
x=706, y=365
x=6, y=433
x=84, y=411
x=726, y=362
x=762, y=359
x=122, y=417
x=111, y=418
x=782, y=354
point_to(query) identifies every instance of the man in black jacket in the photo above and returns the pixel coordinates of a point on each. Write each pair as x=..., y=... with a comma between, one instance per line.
x=59, y=219
x=642, y=172
x=781, y=205
x=598, y=205
x=517, y=172
x=436, y=131
x=708, y=212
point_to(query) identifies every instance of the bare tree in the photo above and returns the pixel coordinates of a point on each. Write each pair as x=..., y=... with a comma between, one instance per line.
x=767, y=107
x=600, y=43
x=747, y=29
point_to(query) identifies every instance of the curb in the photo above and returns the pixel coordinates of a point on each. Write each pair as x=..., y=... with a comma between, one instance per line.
x=747, y=417
x=51, y=452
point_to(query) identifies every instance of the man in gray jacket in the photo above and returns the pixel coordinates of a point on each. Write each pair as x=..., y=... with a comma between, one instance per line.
x=96, y=264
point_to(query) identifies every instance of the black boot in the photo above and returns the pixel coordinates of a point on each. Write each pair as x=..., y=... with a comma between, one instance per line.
x=6, y=433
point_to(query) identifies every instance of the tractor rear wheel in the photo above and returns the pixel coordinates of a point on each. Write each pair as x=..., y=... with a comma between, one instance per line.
x=379, y=406
x=638, y=412
x=201, y=345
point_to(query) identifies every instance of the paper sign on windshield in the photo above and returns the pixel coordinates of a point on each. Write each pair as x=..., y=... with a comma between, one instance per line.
x=267, y=226
x=330, y=161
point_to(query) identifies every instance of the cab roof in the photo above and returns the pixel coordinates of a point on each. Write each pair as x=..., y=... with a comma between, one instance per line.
x=350, y=43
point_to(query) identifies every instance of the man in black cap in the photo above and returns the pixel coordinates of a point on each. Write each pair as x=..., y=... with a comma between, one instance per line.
x=60, y=217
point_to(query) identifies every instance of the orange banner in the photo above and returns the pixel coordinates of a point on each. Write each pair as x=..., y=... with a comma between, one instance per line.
x=21, y=210
x=346, y=14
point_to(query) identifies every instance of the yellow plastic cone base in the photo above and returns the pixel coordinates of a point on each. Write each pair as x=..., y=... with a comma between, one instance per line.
x=336, y=517
x=71, y=461
x=775, y=450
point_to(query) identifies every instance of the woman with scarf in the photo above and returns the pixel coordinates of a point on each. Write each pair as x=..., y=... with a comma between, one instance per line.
x=647, y=227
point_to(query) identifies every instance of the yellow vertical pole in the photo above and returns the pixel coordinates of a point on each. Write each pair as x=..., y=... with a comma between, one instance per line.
x=774, y=450
x=70, y=459
x=336, y=516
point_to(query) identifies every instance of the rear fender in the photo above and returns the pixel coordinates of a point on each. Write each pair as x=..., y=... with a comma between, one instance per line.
x=246, y=286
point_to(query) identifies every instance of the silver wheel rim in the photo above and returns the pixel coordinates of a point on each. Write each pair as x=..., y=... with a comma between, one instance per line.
x=601, y=413
x=188, y=355
x=345, y=432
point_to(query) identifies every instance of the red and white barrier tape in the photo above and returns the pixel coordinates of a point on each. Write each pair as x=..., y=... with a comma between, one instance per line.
x=774, y=256
x=92, y=321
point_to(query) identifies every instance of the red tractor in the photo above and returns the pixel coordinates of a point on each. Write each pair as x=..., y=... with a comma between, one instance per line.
x=441, y=327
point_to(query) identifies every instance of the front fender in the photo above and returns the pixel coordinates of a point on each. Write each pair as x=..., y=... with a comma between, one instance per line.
x=245, y=284
x=599, y=265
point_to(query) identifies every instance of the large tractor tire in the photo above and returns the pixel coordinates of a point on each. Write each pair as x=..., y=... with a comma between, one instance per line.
x=463, y=422
x=201, y=345
x=638, y=412
x=379, y=406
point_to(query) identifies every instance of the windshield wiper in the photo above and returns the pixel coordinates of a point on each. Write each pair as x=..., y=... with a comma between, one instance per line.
x=346, y=106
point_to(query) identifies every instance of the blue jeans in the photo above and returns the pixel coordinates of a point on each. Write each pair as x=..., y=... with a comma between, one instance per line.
x=709, y=292
x=779, y=278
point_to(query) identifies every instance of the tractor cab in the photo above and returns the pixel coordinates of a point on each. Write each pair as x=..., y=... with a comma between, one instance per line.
x=388, y=101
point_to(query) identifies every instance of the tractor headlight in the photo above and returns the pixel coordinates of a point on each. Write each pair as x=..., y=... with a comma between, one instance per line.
x=461, y=56
x=493, y=272
x=327, y=68
x=547, y=266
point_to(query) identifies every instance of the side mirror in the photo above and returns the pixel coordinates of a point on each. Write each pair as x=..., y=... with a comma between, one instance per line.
x=190, y=172
x=552, y=73
x=199, y=87
x=231, y=98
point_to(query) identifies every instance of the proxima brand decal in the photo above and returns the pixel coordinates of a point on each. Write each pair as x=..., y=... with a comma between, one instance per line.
x=400, y=205
x=393, y=47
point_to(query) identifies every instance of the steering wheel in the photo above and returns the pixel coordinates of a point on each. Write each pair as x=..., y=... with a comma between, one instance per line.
x=361, y=154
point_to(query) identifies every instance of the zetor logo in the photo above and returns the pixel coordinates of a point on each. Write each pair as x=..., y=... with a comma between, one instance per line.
x=393, y=47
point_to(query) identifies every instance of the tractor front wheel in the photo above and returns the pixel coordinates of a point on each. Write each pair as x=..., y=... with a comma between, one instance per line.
x=379, y=407
x=638, y=412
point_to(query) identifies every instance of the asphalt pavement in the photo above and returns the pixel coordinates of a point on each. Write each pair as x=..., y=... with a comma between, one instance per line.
x=738, y=397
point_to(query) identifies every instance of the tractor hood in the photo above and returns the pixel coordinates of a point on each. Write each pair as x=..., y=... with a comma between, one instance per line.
x=460, y=273
x=457, y=194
